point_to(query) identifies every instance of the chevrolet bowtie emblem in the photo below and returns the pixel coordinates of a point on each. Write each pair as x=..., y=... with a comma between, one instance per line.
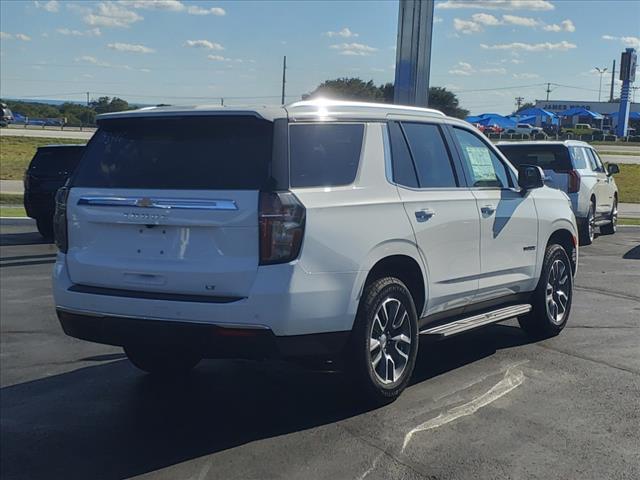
x=144, y=202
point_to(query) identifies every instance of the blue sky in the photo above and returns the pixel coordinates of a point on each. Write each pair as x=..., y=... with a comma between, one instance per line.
x=176, y=52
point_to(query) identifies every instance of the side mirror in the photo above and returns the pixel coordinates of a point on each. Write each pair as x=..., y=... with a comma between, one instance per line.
x=530, y=177
x=613, y=168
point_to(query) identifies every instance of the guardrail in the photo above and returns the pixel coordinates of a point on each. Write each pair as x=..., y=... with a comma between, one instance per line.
x=65, y=128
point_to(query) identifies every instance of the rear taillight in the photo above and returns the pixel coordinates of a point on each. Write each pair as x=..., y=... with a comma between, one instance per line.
x=281, y=217
x=60, y=220
x=574, y=181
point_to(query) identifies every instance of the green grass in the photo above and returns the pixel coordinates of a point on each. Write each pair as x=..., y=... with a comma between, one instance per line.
x=630, y=154
x=17, y=152
x=628, y=181
x=10, y=199
x=629, y=221
x=12, y=211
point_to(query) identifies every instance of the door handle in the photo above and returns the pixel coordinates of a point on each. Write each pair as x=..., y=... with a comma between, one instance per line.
x=424, y=215
x=488, y=209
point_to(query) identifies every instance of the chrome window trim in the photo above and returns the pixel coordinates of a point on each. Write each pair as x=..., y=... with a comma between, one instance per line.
x=160, y=203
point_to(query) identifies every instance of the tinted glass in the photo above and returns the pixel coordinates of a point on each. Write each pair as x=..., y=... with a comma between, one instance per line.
x=580, y=159
x=547, y=157
x=178, y=152
x=595, y=160
x=430, y=155
x=55, y=160
x=324, y=155
x=404, y=172
x=484, y=166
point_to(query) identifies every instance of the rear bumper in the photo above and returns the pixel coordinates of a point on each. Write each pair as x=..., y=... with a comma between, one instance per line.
x=284, y=300
x=211, y=341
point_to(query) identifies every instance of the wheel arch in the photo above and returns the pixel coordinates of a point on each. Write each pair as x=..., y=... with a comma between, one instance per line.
x=567, y=240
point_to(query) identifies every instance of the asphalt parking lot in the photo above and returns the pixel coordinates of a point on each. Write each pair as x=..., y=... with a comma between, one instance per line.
x=489, y=404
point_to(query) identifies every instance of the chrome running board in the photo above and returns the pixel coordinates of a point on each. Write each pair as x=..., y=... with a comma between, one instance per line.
x=476, y=321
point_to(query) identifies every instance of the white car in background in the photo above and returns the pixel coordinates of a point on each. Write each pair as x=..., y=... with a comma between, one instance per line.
x=323, y=229
x=524, y=128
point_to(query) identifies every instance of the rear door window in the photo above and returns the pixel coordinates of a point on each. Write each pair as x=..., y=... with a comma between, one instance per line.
x=547, y=157
x=217, y=153
x=324, y=154
x=580, y=159
x=430, y=155
x=596, y=163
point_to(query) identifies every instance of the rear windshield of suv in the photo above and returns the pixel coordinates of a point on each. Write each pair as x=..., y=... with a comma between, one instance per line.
x=547, y=157
x=55, y=160
x=217, y=153
x=324, y=154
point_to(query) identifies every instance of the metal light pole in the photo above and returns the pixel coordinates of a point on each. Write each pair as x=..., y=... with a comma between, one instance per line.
x=601, y=71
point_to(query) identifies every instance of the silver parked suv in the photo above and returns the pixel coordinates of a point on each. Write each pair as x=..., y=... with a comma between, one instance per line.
x=575, y=168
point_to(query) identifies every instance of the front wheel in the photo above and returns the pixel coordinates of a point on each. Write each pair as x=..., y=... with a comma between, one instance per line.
x=611, y=227
x=162, y=361
x=384, y=341
x=551, y=301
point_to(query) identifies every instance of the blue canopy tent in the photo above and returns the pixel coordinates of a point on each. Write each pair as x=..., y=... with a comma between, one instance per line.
x=539, y=116
x=581, y=112
x=614, y=117
x=487, y=119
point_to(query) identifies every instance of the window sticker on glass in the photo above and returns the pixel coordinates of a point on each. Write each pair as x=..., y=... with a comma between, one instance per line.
x=481, y=164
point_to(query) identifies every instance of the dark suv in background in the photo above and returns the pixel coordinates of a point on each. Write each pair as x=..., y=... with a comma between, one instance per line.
x=49, y=169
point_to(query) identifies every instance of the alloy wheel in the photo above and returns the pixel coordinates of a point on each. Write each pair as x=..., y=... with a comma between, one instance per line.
x=591, y=223
x=558, y=291
x=390, y=341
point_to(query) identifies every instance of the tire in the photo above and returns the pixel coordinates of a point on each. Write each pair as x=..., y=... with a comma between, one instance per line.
x=377, y=345
x=45, y=227
x=549, y=314
x=162, y=361
x=611, y=227
x=588, y=227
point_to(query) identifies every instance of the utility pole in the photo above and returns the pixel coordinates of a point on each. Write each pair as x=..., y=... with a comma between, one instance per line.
x=519, y=101
x=222, y=101
x=601, y=71
x=284, y=77
x=548, y=90
x=88, y=99
x=613, y=81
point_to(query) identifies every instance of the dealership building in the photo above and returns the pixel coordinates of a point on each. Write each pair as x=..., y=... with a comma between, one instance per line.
x=605, y=108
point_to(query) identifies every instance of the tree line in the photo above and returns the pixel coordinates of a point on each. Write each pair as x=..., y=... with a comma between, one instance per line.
x=75, y=114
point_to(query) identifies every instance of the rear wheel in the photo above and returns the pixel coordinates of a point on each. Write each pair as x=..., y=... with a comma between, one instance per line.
x=384, y=340
x=551, y=301
x=45, y=227
x=588, y=227
x=611, y=227
x=159, y=360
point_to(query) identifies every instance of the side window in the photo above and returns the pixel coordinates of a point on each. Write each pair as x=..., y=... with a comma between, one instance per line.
x=404, y=172
x=580, y=159
x=484, y=166
x=430, y=155
x=597, y=163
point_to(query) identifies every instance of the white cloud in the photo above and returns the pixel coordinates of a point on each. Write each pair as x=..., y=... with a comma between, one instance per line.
x=218, y=58
x=538, y=5
x=171, y=5
x=531, y=47
x=130, y=47
x=521, y=21
x=204, y=44
x=93, y=32
x=87, y=59
x=462, y=69
x=90, y=60
x=217, y=11
x=345, y=33
x=565, y=26
x=354, y=49
x=22, y=37
x=633, y=42
x=466, y=26
x=109, y=14
x=525, y=76
x=485, y=19
x=498, y=71
x=51, y=6
x=6, y=36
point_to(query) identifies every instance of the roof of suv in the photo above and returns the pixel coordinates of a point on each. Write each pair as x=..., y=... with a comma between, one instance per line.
x=322, y=109
x=566, y=143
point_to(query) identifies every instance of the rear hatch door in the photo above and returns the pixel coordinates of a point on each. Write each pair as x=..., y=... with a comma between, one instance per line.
x=170, y=205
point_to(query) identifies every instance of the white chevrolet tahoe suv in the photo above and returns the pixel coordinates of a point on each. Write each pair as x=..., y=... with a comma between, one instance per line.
x=323, y=229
